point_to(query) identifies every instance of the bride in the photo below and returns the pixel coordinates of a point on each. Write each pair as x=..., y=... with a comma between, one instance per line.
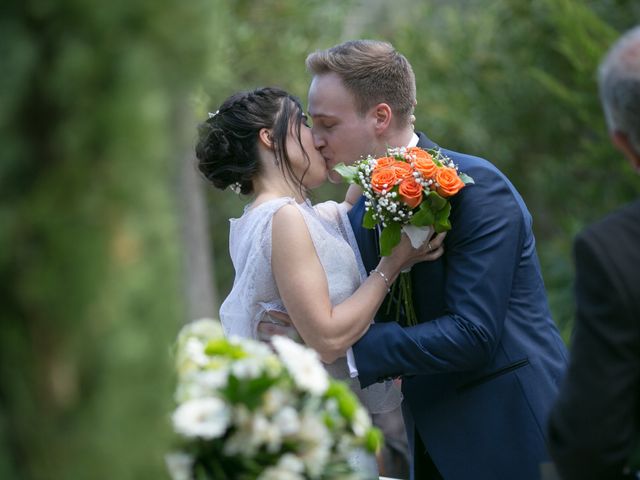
x=292, y=257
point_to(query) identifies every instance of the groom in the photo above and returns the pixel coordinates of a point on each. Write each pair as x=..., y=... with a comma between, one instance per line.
x=480, y=371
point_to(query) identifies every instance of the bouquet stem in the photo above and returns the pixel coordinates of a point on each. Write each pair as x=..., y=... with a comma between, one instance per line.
x=402, y=293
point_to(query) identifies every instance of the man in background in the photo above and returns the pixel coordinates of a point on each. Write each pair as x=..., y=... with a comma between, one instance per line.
x=596, y=420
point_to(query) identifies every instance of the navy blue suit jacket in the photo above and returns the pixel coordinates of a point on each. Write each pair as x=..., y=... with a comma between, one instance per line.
x=481, y=369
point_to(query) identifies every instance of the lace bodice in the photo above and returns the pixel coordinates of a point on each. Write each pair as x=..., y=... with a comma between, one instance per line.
x=255, y=292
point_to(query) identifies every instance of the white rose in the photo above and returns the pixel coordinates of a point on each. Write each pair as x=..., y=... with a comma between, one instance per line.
x=202, y=417
x=303, y=364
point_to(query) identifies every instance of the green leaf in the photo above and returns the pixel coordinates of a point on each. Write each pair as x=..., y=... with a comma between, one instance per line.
x=345, y=398
x=247, y=391
x=443, y=226
x=466, y=179
x=389, y=238
x=221, y=347
x=348, y=173
x=373, y=439
x=367, y=219
x=437, y=202
x=424, y=216
x=442, y=223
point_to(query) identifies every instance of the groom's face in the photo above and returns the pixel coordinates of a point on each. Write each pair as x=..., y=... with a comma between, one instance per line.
x=340, y=132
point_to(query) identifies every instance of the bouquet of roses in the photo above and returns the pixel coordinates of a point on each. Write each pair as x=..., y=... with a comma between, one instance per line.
x=246, y=411
x=406, y=190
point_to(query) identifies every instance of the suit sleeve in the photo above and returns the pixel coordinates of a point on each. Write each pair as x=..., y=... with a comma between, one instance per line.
x=482, y=253
x=592, y=425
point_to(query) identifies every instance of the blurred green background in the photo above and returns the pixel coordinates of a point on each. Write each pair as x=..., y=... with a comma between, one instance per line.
x=109, y=242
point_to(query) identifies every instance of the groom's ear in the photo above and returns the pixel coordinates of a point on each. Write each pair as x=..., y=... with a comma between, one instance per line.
x=382, y=115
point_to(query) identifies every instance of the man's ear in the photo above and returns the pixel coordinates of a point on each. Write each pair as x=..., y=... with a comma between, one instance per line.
x=265, y=138
x=382, y=115
x=622, y=143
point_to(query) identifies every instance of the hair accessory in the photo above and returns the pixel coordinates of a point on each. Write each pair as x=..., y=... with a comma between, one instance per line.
x=236, y=188
x=211, y=115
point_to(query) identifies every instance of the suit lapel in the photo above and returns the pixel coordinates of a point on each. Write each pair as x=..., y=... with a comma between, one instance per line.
x=425, y=142
x=367, y=239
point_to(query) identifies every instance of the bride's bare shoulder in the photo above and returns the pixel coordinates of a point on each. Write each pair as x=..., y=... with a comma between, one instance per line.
x=290, y=231
x=288, y=217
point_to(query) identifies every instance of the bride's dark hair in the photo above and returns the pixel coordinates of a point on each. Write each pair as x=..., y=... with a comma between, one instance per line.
x=227, y=148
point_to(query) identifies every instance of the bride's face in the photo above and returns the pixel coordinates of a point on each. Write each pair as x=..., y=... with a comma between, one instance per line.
x=315, y=169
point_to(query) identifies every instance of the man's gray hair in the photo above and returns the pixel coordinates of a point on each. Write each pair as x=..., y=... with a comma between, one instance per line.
x=619, y=81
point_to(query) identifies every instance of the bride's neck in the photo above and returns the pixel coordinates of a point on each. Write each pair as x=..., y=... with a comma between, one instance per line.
x=268, y=187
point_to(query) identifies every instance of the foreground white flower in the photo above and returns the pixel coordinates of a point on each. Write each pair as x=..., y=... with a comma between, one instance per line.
x=179, y=465
x=265, y=433
x=361, y=422
x=202, y=417
x=287, y=421
x=316, y=444
x=191, y=342
x=303, y=364
x=194, y=350
x=239, y=401
x=274, y=399
x=289, y=467
x=250, y=367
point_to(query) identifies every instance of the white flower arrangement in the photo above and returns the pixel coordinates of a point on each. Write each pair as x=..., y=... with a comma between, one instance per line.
x=245, y=411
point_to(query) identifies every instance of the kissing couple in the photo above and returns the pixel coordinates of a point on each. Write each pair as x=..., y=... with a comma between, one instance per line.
x=481, y=366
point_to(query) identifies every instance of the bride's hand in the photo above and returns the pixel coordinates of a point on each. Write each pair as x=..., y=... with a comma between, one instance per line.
x=405, y=256
x=277, y=323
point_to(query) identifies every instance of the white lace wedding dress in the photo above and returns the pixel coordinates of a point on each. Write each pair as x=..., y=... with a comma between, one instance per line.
x=254, y=291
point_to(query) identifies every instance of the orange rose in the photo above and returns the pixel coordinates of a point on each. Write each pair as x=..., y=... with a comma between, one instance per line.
x=416, y=153
x=403, y=170
x=384, y=162
x=449, y=182
x=383, y=179
x=410, y=192
x=426, y=167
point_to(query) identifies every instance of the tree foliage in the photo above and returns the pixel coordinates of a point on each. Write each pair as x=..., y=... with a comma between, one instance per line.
x=89, y=257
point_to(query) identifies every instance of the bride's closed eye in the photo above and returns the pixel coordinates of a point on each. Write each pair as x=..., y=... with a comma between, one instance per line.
x=306, y=121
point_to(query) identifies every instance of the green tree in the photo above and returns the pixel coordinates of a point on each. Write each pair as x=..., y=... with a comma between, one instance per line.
x=89, y=248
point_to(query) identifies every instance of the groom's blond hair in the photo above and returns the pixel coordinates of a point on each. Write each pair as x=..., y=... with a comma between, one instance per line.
x=373, y=71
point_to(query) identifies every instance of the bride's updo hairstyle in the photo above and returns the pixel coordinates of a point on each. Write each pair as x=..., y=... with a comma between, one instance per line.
x=227, y=148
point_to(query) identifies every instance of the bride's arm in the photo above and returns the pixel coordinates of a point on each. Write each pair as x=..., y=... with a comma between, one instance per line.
x=302, y=283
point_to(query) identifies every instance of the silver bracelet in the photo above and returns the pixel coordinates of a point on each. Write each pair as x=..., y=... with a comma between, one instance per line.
x=384, y=277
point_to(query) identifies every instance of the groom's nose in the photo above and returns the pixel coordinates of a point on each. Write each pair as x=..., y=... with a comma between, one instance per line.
x=318, y=140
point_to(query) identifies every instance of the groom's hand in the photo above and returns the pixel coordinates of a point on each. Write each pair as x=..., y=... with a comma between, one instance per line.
x=277, y=323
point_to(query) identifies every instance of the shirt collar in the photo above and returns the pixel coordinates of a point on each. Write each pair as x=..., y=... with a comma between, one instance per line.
x=414, y=141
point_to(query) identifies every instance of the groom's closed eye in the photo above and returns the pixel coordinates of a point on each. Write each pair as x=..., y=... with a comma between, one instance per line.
x=325, y=125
